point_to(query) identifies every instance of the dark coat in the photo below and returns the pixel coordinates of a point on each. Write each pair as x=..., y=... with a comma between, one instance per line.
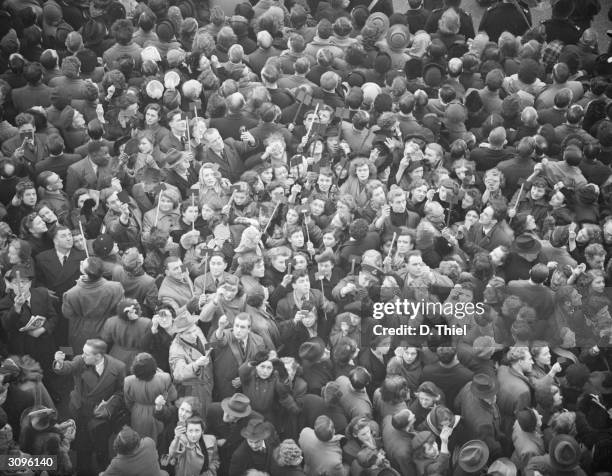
x=231, y=164
x=229, y=126
x=19, y=343
x=142, y=461
x=51, y=274
x=228, y=358
x=482, y=421
x=58, y=164
x=89, y=389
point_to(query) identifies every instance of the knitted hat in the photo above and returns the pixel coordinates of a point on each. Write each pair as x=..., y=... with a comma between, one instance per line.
x=289, y=453
x=398, y=37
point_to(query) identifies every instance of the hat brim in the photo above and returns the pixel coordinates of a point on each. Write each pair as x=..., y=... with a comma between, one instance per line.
x=258, y=435
x=226, y=408
x=477, y=465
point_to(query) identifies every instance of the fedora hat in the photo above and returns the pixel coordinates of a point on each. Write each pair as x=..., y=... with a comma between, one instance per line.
x=256, y=429
x=184, y=320
x=564, y=453
x=526, y=244
x=238, y=405
x=483, y=386
x=473, y=456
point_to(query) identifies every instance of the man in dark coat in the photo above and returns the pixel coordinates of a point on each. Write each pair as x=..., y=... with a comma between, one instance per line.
x=90, y=302
x=397, y=434
x=19, y=305
x=57, y=161
x=507, y=15
x=230, y=125
x=58, y=270
x=255, y=452
x=35, y=93
x=226, y=420
x=229, y=155
x=478, y=409
x=233, y=347
x=95, y=401
x=94, y=171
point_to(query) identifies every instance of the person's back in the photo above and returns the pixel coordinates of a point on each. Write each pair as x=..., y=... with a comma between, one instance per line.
x=321, y=447
x=448, y=374
x=507, y=15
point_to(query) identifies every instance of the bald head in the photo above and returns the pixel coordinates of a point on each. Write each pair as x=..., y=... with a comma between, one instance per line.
x=497, y=137
x=529, y=116
x=235, y=102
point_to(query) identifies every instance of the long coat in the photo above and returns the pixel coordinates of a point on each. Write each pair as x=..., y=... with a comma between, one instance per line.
x=20, y=343
x=140, y=401
x=89, y=389
x=87, y=306
x=228, y=357
x=196, y=382
x=126, y=339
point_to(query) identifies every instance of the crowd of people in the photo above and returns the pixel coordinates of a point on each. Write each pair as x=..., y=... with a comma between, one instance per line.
x=204, y=211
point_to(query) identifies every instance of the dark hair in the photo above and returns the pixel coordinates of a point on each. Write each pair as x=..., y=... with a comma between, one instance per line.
x=95, y=129
x=394, y=389
x=446, y=354
x=124, y=303
x=32, y=73
x=127, y=441
x=359, y=378
x=358, y=229
x=144, y=367
x=94, y=268
x=195, y=420
x=122, y=31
